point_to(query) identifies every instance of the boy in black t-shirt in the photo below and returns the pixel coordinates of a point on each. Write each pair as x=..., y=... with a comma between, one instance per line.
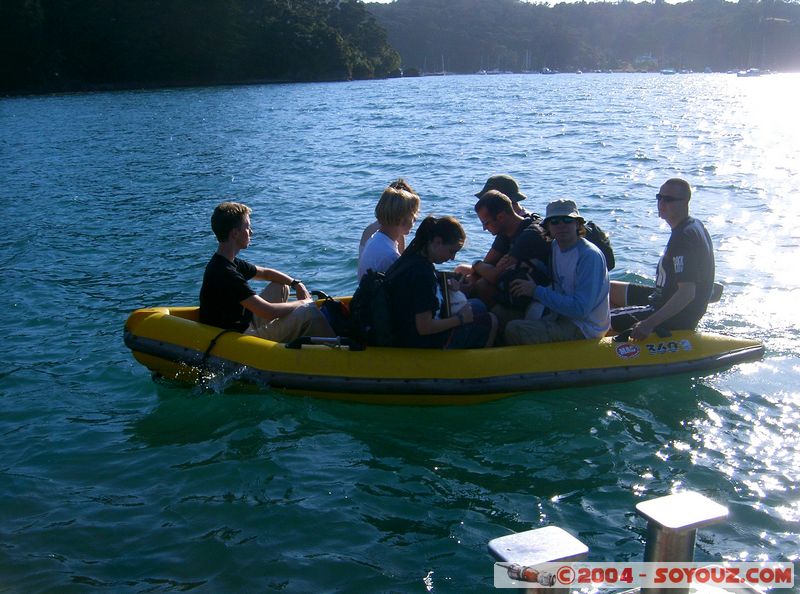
x=227, y=300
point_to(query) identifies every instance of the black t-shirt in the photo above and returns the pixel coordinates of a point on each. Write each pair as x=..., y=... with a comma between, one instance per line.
x=413, y=291
x=224, y=288
x=688, y=257
x=527, y=243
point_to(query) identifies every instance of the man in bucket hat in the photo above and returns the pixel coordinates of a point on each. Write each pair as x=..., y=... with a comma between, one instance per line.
x=578, y=296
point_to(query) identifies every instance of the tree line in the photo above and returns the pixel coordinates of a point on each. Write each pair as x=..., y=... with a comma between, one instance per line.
x=470, y=35
x=64, y=45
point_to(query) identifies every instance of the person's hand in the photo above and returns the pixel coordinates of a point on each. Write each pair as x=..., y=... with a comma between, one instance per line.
x=463, y=269
x=465, y=314
x=641, y=330
x=521, y=287
x=301, y=292
x=505, y=263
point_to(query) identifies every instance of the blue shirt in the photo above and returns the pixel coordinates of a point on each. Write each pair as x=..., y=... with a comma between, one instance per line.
x=580, y=288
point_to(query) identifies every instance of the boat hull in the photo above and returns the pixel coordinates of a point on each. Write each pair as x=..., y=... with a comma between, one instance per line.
x=172, y=344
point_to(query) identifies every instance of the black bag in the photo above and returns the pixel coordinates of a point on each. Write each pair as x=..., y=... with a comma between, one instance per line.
x=536, y=270
x=371, y=319
x=600, y=238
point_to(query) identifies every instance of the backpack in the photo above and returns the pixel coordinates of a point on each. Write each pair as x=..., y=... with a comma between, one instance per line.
x=371, y=316
x=335, y=312
x=600, y=238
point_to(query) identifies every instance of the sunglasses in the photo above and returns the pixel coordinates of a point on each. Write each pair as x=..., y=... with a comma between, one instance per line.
x=668, y=199
x=562, y=220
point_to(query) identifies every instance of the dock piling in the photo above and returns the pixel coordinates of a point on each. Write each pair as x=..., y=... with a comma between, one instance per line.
x=672, y=524
x=542, y=545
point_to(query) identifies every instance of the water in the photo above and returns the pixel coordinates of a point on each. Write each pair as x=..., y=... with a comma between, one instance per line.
x=113, y=482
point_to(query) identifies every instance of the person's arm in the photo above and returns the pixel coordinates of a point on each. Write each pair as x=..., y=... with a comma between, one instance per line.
x=276, y=276
x=489, y=268
x=427, y=324
x=589, y=286
x=272, y=275
x=270, y=311
x=674, y=305
x=369, y=232
x=493, y=256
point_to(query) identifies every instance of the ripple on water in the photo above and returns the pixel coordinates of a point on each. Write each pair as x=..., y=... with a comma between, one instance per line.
x=132, y=484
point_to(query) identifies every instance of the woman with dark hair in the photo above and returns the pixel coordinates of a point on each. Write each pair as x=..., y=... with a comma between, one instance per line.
x=413, y=293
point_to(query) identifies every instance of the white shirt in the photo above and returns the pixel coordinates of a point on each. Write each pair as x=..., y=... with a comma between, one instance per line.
x=378, y=254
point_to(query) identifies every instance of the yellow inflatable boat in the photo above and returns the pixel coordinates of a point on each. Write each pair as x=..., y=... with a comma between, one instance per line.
x=171, y=343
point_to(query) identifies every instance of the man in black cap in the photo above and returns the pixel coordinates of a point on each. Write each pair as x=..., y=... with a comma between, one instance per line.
x=518, y=240
x=505, y=184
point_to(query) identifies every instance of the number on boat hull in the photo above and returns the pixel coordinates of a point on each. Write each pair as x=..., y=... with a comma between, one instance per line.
x=672, y=346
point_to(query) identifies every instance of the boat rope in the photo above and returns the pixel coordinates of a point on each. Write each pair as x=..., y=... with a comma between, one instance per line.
x=211, y=345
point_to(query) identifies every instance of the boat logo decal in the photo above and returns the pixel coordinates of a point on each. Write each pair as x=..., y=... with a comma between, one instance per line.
x=672, y=346
x=628, y=351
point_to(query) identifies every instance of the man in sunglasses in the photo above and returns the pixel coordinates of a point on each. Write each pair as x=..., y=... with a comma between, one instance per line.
x=684, y=277
x=577, y=300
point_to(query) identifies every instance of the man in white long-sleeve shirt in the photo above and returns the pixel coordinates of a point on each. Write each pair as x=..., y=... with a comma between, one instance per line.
x=578, y=297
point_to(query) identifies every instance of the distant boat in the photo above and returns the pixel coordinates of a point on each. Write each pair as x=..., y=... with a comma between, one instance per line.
x=546, y=70
x=668, y=71
x=749, y=72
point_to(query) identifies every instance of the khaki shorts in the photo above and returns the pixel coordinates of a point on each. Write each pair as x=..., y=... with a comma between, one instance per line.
x=544, y=330
x=306, y=320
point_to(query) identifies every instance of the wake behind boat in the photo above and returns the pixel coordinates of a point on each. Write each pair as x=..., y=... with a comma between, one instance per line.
x=174, y=345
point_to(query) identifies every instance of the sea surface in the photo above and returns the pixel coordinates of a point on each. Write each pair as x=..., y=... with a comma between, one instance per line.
x=113, y=482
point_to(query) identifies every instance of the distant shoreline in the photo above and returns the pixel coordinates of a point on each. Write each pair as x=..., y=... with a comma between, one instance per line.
x=151, y=86
x=121, y=87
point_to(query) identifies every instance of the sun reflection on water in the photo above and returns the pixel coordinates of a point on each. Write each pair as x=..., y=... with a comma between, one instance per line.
x=755, y=441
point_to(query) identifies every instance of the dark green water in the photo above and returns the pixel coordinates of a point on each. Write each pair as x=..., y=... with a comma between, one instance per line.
x=112, y=482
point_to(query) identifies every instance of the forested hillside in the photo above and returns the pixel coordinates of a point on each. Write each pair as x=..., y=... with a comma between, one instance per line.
x=51, y=45
x=471, y=35
x=65, y=45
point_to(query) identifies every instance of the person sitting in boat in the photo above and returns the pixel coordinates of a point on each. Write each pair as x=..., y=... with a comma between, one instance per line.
x=413, y=293
x=684, y=276
x=227, y=300
x=396, y=212
x=578, y=298
x=518, y=240
x=505, y=184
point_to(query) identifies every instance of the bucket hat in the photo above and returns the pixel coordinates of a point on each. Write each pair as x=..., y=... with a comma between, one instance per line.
x=562, y=208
